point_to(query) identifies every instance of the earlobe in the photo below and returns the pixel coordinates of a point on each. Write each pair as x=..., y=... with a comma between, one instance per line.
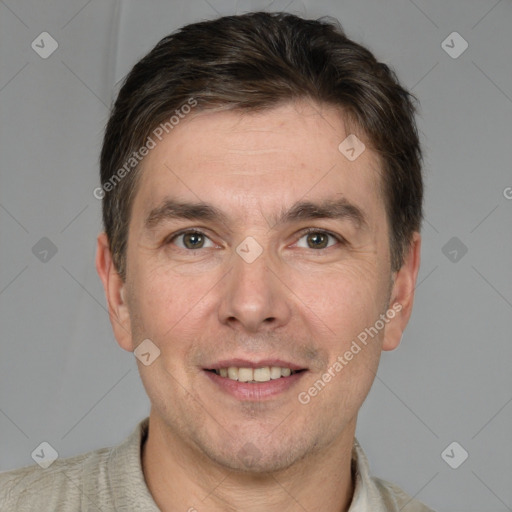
x=403, y=294
x=115, y=293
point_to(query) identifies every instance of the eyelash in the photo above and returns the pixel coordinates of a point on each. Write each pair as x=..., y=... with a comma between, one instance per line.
x=303, y=233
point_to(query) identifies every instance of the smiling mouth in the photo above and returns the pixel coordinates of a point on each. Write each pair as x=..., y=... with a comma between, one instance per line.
x=254, y=375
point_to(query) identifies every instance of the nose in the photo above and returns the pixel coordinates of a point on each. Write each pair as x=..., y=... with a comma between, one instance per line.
x=254, y=298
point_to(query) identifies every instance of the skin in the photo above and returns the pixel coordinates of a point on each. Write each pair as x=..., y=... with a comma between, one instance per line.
x=295, y=302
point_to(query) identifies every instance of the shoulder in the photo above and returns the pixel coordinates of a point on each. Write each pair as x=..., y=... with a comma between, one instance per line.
x=103, y=480
x=397, y=498
x=63, y=486
x=376, y=494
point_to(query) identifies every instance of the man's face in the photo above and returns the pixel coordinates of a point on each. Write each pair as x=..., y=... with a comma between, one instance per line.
x=200, y=290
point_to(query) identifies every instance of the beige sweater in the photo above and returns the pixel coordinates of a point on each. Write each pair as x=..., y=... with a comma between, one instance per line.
x=111, y=479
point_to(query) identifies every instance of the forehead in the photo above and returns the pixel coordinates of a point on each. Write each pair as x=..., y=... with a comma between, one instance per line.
x=257, y=162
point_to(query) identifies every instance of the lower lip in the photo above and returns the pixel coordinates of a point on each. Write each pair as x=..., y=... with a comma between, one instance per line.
x=256, y=391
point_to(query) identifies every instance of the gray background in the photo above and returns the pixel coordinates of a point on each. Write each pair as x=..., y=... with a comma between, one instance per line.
x=63, y=378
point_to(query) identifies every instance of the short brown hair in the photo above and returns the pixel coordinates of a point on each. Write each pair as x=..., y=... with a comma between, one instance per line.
x=254, y=62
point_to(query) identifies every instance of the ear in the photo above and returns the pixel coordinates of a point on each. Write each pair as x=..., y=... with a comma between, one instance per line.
x=115, y=293
x=402, y=295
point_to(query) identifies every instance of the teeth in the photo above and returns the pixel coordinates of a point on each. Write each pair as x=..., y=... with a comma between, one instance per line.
x=263, y=374
x=275, y=372
x=245, y=374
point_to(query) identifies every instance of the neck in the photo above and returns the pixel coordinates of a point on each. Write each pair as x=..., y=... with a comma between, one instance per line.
x=182, y=479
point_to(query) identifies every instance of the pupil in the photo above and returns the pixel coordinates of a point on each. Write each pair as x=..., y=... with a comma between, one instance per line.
x=315, y=238
x=193, y=240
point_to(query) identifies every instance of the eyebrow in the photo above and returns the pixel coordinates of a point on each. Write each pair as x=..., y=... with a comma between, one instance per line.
x=339, y=209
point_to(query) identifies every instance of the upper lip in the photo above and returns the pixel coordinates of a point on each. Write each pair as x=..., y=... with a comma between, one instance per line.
x=245, y=363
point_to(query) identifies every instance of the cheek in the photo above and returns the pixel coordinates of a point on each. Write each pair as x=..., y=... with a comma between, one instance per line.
x=158, y=301
x=171, y=310
x=338, y=307
x=346, y=299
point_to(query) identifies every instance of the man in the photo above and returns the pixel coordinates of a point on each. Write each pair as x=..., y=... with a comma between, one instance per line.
x=262, y=200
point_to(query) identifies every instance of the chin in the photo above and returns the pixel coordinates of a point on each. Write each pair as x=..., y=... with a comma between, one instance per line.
x=259, y=463
x=257, y=456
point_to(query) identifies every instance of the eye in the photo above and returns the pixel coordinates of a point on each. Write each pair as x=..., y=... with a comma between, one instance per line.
x=190, y=240
x=317, y=239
